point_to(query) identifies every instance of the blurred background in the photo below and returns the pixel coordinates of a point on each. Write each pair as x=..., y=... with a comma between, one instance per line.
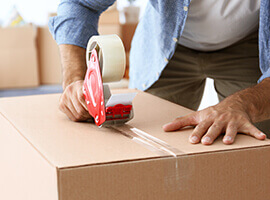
x=29, y=57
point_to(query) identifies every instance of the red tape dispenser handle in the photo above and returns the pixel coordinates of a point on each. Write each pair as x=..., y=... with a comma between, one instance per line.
x=93, y=90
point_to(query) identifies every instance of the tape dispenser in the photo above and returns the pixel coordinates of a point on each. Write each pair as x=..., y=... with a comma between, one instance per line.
x=106, y=62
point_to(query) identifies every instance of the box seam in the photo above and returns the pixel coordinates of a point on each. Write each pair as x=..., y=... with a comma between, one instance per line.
x=162, y=157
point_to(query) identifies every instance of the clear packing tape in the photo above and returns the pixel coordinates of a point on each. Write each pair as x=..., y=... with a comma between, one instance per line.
x=112, y=57
x=148, y=141
x=175, y=173
x=112, y=62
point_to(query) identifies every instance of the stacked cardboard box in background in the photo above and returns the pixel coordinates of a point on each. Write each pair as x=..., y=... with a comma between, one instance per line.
x=109, y=22
x=29, y=56
x=128, y=31
x=48, y=54
x=18, y=57
x=48, y=58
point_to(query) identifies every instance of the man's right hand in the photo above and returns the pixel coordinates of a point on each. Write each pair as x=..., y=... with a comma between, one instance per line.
x=72, y=101
x=73, y=104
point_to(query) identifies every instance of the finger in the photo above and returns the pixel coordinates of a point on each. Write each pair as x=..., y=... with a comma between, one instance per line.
x=74, y=112
x=82, y=100
x=199, y=131
x=181, y=122
x=250, y=129
x=231, y=132
x=65, y=110
x=213, y=132
x=82, y=112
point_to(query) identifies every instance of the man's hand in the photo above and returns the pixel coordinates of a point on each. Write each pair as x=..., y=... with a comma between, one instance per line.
x=72, y=102
x=234, y=114
x=213, y=121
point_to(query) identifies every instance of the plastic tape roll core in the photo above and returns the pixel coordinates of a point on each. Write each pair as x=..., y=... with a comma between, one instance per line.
x=111, y=53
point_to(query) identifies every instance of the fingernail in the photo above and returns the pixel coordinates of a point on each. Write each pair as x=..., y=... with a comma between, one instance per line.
x=166, y=125
x=261, y=134
x=206, y=139
x=193, y=139
x=227, y=139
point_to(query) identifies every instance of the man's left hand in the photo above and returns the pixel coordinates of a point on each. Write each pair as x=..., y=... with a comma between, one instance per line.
x=227, y=117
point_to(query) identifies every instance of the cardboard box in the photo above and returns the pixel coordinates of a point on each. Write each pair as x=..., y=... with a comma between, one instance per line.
x=113, y=7
x=45, y=156
x=108, y=29
x=110, y=16
x=127, y=67
x=48, y=58
x=128, y=31
x=18, y=58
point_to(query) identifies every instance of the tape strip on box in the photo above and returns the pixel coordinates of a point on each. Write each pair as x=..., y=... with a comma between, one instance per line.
x=148, y=141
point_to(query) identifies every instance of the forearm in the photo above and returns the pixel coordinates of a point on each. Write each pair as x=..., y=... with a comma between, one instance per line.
x=255, y=101
x=73, y=63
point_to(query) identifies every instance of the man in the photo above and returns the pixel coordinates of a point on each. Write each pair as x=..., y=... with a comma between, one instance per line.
x=177, y=45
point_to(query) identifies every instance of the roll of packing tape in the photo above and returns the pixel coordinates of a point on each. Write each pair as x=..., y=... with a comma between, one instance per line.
x=111, y=53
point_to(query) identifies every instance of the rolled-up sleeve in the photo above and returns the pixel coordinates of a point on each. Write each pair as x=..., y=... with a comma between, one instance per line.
x=77, y=21
x=264, y=39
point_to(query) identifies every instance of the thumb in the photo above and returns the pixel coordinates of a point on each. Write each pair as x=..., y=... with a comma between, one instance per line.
x=180, y=122
x=250, y=129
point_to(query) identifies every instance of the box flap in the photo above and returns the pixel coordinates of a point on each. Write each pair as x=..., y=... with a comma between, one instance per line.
x=65, y=143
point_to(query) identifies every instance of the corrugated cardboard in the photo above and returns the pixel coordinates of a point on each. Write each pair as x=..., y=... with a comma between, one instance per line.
x=46, y=156
x=48, y=58
x=18, y=58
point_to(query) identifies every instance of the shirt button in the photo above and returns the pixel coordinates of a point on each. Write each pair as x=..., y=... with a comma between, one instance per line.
x=185, y=8
x=157, y=73
x=166, y=60
x=175, y=39
x=144, y=86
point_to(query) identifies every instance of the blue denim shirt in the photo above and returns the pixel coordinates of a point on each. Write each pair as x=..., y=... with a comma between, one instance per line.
x=154, y=41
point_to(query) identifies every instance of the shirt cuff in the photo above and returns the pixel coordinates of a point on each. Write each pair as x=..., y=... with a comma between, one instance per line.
x=265, y=75
x=76, y=27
